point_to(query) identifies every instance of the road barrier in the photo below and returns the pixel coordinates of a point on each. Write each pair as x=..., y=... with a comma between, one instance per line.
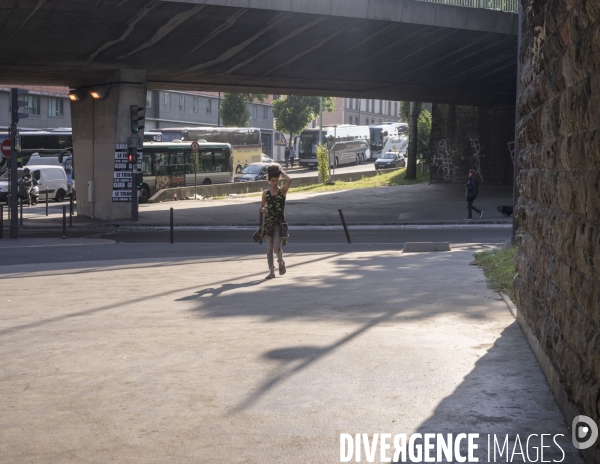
x=217, y=190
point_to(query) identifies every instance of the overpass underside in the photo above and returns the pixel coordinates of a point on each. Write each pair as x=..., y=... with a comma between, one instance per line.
x=389, y=49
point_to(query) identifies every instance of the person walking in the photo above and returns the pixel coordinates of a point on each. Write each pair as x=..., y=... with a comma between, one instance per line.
x=292, y=156
x=287, y=156
x=472, y=192
x=273, y=207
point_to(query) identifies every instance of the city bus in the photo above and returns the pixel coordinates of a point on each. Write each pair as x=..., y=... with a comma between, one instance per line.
x=346, y=144
x=44, y=145
x=174, y=164
x=390, y=136
x=246, y=142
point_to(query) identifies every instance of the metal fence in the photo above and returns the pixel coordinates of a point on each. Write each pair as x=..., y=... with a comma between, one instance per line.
x=510, y=6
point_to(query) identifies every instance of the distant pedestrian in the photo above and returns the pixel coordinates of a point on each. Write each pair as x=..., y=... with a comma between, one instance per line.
x=275, y=227
x=292, y=156
x=287, y=156
x=472, y=192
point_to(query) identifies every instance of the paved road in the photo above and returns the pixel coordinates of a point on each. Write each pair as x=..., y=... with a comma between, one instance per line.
x=305, y=172
x=199, y=359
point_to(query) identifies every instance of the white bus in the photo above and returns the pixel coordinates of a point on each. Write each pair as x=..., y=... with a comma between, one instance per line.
x=346, y=143
x=390, y=136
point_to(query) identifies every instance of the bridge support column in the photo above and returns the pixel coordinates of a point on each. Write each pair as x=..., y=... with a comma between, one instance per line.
x=98, y=126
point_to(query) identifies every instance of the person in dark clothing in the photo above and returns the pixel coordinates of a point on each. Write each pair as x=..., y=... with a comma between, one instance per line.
x=292, y=156
x=472, y=192
x=287, y=156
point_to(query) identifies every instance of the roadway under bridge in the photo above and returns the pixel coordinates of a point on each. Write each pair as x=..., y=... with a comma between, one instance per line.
x=388, y=49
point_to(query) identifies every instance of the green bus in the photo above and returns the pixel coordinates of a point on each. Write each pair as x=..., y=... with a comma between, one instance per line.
x=176, y=164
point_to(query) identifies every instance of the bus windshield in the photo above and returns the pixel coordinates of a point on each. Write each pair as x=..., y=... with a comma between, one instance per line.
x=377, y=139
x=309, y=141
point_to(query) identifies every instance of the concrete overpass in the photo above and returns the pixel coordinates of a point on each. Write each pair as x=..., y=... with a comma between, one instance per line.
x=389, y=49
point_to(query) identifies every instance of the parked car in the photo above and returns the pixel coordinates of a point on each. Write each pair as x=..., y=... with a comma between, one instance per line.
x=391, y=159
x=251, y=172
x=266, y=159
x=48, y=177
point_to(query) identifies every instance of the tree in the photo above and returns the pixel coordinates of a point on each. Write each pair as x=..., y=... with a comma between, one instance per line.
x=234, y=111
x=411, y=165
x=293, y=113
x=423, y=132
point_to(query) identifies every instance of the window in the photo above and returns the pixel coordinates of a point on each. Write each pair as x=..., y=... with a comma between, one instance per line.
x=33, y=104
x=254, y=112
x=196, y=104
x=55, y=107
x=396, y=109
x=181, y=102
x=208, y=106
x=167, y=101
x=149, y=99
x=349, y=119
x=389, y=107
x=265, y=112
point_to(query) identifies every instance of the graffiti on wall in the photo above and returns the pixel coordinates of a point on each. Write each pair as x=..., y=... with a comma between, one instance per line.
x=477, y=155
x=444, y=160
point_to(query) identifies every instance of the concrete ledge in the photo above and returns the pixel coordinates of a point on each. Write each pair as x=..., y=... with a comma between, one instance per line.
x=424, y=247
x=217, y=190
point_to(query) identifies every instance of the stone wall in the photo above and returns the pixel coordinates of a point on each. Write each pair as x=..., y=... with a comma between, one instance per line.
x=558, y=213
x=470, y=137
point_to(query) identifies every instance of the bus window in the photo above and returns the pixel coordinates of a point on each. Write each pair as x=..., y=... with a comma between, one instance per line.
x=161, y=164
x=207, y=162
x=221, y=157
x=179, y=164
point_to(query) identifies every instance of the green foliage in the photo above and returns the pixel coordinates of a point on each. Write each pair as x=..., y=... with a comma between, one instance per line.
x=293, y=113
x=499, y=269
x=323, y=162
x=423, y=133
x=405, y=110
x=234, y=111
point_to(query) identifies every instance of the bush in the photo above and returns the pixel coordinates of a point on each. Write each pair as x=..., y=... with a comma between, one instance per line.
x=323, y=162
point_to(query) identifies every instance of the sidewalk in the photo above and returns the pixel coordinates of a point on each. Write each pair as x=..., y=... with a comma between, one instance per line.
x=412, y=204
x=202, y=360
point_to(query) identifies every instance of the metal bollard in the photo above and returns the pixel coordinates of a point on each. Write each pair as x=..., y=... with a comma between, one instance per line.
x=1, y=222
x=345, y=227
x=71, y=211
x=21, y=222
x=64, y=222
x=171, y=226
x=47, y=200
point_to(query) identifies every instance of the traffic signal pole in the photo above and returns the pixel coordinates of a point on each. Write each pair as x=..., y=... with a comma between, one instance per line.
x=15, y=116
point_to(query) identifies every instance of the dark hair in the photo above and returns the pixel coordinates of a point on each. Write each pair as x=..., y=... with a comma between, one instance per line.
x=473, y=172
x=273, y=171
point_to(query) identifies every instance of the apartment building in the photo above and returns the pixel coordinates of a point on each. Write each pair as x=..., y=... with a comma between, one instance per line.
x=361, y=112
x=172, y=108
x=48, y=107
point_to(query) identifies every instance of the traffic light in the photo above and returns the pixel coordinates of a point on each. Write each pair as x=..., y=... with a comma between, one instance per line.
x=137, y=119
x=132, y=155
x=16, y=104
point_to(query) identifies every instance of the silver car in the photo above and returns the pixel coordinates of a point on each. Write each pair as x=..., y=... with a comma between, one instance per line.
x=391, y=159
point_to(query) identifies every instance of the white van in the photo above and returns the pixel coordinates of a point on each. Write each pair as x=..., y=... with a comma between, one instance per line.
x=52, y=177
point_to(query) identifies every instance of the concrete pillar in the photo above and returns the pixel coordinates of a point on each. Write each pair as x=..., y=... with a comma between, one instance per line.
x=98, y=125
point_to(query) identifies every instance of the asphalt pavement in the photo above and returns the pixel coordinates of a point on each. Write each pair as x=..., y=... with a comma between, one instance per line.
x=118, y=346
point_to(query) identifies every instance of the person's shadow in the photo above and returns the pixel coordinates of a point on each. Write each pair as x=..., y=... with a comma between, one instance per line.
x=216, y=291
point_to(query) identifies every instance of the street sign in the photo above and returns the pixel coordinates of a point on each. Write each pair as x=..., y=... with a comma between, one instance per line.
x=5, y=148
x=134, y=141
x=195, y=146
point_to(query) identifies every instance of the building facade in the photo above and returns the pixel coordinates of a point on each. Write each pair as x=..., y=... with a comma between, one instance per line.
x=48, y=107
x=172, y=108
x=361, y=112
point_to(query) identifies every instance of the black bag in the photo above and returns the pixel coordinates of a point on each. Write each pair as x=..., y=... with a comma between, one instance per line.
x=284, y=230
